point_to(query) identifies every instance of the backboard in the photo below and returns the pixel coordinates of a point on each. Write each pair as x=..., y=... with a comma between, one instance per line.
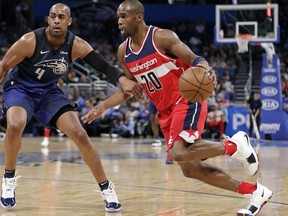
x=259, y=20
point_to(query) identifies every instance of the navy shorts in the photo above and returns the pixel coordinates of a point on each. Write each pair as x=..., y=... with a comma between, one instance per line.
x=152, y=108
x=43, y=103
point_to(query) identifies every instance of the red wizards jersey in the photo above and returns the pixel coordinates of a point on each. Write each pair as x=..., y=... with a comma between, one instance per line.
x=155, y=71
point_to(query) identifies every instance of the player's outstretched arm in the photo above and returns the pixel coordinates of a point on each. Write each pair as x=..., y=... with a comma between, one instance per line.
x=170, y=44
x=116, y=99
x=21, y=49
x=81, y=49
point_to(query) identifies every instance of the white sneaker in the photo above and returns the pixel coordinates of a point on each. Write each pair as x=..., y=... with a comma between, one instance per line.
x=9, y=185
x=245, y=152
x=259, y=198
x=157, y=143
x=110, y=198
x=45, y=142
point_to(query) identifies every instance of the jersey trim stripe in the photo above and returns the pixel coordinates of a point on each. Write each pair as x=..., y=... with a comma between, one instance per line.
x=159, y=71
x=194, y=111
x=158, y=51
x=143, y=42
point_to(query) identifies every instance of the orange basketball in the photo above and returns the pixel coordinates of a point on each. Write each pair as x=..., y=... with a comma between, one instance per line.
x=195, y=85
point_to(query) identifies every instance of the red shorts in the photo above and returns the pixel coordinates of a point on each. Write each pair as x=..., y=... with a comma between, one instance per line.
x=183, y=121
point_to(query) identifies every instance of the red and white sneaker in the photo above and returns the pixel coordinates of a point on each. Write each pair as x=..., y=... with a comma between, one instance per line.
x=258, y=199
x=245, y=152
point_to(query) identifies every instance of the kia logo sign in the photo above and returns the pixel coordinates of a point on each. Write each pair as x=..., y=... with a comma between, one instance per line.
x=269, y=79
x=269, y=91
x=269, y=104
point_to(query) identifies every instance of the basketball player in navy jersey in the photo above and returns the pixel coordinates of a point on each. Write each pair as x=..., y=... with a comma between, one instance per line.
x=42, y=57
x=156, y=58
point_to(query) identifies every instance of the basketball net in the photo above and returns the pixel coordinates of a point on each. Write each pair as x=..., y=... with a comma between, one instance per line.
x=242, y=42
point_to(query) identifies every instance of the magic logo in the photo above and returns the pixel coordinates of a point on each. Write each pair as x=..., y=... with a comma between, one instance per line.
x=58, y=66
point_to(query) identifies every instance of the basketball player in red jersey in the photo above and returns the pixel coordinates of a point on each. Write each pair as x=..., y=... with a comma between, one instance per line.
x=156, y=58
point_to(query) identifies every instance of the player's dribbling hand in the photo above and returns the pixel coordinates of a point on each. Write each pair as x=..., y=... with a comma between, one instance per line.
x=210, y=72
x=131, y=87
x=94, y=113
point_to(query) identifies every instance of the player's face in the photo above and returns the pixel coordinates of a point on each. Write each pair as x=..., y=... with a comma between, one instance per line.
x=58, y=20
x=127, y=20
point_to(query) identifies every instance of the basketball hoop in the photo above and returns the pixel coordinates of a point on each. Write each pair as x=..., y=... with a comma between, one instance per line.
x=242, y=42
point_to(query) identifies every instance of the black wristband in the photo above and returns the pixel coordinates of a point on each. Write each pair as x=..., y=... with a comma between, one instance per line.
x=97, y=61
x=120, y=75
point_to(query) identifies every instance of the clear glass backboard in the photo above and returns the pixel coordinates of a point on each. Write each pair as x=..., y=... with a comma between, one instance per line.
x=258, y=20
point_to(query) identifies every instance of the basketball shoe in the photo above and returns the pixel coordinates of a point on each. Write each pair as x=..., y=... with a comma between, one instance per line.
x=110, y=198
x=258, y=199
x=245, y=152
x=169, y=160
x=45, y=142
x=9, y=185
x=157, y=142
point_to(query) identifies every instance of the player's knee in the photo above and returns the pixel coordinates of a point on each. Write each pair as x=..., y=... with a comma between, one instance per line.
x=178, y=152
x=176, y=155
x=192, y=173
x=188, y=173
x=15, y=128
x=80, y=136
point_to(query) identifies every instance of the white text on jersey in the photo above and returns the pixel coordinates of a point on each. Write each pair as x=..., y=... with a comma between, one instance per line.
x=145, y=65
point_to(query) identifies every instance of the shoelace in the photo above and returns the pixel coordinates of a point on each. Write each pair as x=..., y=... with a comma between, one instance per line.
x=109, y=194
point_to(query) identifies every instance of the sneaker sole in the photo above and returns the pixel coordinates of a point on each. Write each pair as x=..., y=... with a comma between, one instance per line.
x=156, y=145
x=8, y=208
x=266, y=201
x=169, y=162
x=113, y=210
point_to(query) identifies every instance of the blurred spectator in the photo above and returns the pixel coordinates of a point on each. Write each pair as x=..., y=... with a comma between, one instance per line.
x=229, y=88
x=124, y=127
x=143, y=119
x=84, y=79
x=81, y=101
x=215, y=122
x=223, y=107
x=101, y=96
x=254, y=105
x=72, y=76
x=212, y=99
x=285, y=101
x=23, y=8
x=284, y=84
x=200, y=27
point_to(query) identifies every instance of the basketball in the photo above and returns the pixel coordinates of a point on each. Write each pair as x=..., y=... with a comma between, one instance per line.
x=195, y=85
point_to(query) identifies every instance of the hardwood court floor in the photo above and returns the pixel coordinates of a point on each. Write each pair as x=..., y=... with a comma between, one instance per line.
x=55, y=182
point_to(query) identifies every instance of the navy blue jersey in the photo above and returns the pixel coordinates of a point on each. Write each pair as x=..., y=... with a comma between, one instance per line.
x=46, y=65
